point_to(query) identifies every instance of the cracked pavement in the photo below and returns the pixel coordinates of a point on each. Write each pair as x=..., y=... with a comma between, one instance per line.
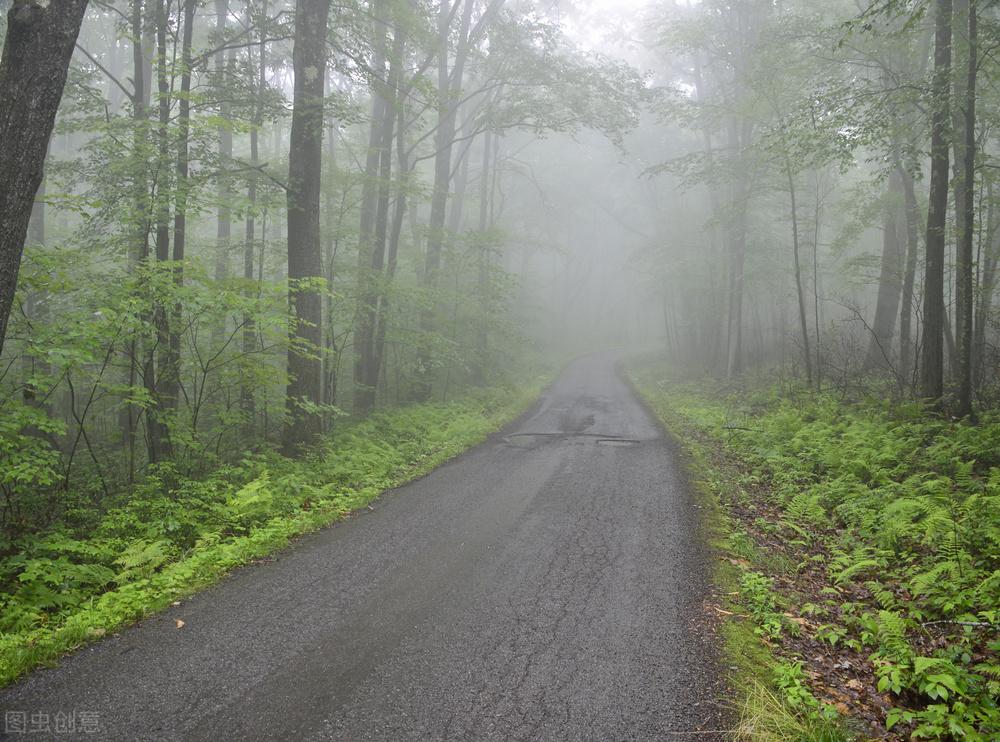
x=547, y=585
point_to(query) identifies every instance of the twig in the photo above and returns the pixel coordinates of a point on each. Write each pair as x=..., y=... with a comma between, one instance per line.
x=974, y=624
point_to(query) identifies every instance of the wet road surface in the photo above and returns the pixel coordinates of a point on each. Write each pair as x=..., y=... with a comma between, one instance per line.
x=546, y=585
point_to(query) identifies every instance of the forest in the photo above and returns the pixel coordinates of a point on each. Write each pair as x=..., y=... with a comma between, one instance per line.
x=262, y=261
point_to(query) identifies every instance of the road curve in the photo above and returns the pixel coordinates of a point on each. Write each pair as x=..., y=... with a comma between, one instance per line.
x=546, y=585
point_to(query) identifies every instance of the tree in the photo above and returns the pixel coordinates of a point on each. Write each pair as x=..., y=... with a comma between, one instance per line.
x=371, y=250
x=449, y=89
x=965, y=195
x=305, y=261
x=224, y=225
x=889, y=285
x=932, y=356
x=40, y=40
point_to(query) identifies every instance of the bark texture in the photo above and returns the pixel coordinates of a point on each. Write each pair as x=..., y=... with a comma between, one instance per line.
x=36, y=55
x=890, y=278
x=932, y=356
x=305, y=259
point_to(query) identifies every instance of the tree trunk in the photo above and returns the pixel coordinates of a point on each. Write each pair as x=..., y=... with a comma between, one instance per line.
x=36, y=306
x=364, y=332
x=158, y=439
x=912, y=217
x=803, y=323
x=717, y=298
x=405, y=170
x=139, y=245
x=305, y=257
x=333, y=219
x=170, y=375
x=449, y=88
x=738, y=137
x=36, y=55
x=987, y=287
x=248, y=403
x=966, y=216
x=371, y=363
x=483, y=277
x=932, y=356
x=817, y=211
x=889, y=288
x=224, y=226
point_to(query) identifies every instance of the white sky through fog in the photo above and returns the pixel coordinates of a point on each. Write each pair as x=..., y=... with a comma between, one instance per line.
x=606, y=26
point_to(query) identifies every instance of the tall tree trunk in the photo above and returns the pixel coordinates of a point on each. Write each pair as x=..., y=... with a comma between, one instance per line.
x=36, y=305
x=331, y=355
x=738, y=134
x=157, y=433
x=889, y=288
x=932, y=355
x=139, y=245
x=224, y=226
x=248, y=403
x=449, y=89
x=364, y=331
x=170, y=375
x=964, y=288
x=305, y=255
x=485, y=259
x=371, y=363
x=403, y=165
x=800, y=293
x=987, y=287
x=716, y=298
x=912, y=217
x=39, y=44
x=817, y=211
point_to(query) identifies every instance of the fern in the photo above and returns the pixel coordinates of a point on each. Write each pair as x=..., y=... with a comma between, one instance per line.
x=806, y=509
x=141, y=559
x=885, y=597
x=891, y=633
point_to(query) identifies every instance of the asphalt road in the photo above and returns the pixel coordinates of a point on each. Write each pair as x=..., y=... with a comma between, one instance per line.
x=547, y=585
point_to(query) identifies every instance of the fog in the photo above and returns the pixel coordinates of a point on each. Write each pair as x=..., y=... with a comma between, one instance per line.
x=490, y=187
x=458, y=288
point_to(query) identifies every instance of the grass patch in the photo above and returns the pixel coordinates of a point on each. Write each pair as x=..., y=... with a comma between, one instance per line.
x=172, y=536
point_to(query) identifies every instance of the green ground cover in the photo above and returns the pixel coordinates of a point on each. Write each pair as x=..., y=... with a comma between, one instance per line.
x=97, y=570
x=859, y=552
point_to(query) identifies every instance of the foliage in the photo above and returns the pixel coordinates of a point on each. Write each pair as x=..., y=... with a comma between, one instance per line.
x=173, y=534
x=900, y=507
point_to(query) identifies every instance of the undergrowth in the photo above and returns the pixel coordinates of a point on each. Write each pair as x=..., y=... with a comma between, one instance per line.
x=862, y=546
x=170, y=536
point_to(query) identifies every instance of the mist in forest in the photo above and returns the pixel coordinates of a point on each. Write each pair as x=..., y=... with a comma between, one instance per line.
x=267, y=265
x=241, y=221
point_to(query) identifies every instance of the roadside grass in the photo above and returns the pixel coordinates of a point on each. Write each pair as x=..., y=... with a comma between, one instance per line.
x=171, y=536
x=858, y=560
x=759, y=711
